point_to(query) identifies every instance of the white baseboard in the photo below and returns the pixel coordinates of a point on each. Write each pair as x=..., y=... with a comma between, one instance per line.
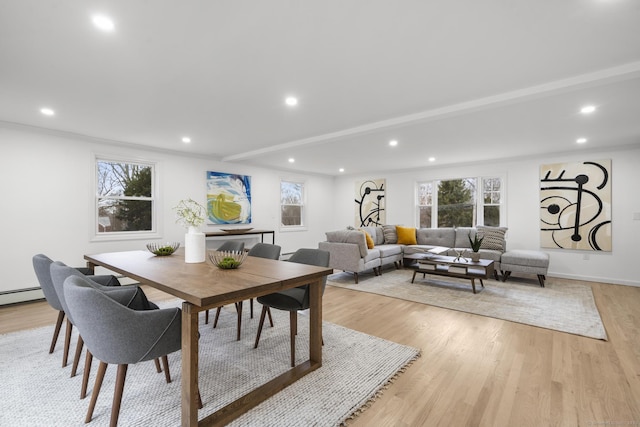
x=21, y=295
x=635, y=283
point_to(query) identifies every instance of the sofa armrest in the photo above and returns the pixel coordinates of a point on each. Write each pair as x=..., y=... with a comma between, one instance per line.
x=344, y=256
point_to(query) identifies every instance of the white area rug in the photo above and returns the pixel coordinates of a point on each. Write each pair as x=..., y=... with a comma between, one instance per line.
x=36, y=391
x=566, y=306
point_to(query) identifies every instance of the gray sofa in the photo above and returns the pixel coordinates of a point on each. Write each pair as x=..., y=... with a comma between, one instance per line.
x=349, y=251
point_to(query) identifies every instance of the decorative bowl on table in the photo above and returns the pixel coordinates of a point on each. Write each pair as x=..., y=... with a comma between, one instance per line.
x=163, y=249
x=227, y=259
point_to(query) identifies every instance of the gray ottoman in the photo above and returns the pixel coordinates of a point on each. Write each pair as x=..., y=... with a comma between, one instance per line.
x=524, y=261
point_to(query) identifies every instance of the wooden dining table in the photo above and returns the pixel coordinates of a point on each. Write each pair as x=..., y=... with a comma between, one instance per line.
x=204, y=286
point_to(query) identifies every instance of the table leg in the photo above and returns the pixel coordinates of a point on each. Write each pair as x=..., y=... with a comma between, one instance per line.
x=315, y=322
x=414, y=276
x=189, y=365
x=473, y=285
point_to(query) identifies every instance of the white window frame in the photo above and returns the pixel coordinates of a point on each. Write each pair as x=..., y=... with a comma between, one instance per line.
x=479, y=199
x=303, y=210
x=154, y=233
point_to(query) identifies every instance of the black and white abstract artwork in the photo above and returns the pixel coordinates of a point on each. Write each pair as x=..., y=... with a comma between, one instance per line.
x=370, y=203
x=575, y=206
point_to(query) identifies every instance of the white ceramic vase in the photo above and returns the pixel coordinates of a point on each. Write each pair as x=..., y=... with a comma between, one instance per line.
x=194, y=246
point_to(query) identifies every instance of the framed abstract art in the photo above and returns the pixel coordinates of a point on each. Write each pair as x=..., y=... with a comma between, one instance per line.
x=228, y=198
x=575, y=205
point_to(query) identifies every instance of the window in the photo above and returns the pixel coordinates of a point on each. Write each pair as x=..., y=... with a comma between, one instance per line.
x=291, y=204
x=491, y=188
x=425, y=204
x=460, y=202
x=124, y=198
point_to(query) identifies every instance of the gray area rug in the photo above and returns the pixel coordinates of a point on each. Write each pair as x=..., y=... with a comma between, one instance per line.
x=36, y=391
x=566, y=306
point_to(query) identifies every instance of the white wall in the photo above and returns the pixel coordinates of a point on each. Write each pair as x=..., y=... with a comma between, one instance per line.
x=46, y=183
x=522, y=181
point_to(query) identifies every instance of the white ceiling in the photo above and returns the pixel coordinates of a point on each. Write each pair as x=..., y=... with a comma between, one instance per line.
x=459, y=80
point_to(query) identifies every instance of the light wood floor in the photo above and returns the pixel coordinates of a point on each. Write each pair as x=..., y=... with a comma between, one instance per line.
x=478, y=371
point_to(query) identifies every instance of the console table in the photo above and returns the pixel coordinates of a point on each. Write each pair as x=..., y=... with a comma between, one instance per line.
x=243, y=233
x=453, y=267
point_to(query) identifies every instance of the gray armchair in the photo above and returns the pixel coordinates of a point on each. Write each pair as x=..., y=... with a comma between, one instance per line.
x=295, y=299
x=129, y=296
x=42, y=268
x=41, y=265
x=116, y=334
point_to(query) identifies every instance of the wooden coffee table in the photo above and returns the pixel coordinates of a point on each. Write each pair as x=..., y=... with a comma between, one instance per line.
x=454, y=267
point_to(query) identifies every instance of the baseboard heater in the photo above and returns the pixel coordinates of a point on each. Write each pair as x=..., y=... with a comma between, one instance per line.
x=21, y=295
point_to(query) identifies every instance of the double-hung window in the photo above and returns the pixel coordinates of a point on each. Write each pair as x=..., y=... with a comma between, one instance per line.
x=463, y=202
x=292, y=201
x=125, y=198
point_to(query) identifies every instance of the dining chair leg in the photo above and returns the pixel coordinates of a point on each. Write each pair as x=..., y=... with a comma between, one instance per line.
x=239, y=311
x=67, y=343
x=293, y=320
x=56, y=332
x=270, y=318
x=88, y=358
x=262, y=316
x=96, y=390
x=76, y=357
x=157, y=363
x=165, y=365
x=117, y=395
x=200, y=405
x=215, y=321
x=251, y=308
x=206, y=317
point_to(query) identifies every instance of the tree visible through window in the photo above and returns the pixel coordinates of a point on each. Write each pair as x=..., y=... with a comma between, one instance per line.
x=124, y=197
x=459, y=202
x=291, y=203
x=456, y=202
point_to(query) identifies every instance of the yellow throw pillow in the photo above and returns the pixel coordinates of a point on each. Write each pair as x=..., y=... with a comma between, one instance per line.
x=406, y=235
x=369, y=239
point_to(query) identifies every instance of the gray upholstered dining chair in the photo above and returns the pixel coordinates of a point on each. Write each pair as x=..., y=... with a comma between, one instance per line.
x=116, y=334
x=227, y=246
x=42, y=268
x=129, y=296
x=259, y=250
x=264, y=250
x=295, y=299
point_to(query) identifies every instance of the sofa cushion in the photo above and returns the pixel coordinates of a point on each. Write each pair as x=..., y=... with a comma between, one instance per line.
x=390, y=235
x=373, y=232
x=368, y=239
x=437, y=237
x=462, y=236
x=379, y=237
x=493, y=237
x=371, y=255
x=349, y=236
x=406, y=235
x=389, y=250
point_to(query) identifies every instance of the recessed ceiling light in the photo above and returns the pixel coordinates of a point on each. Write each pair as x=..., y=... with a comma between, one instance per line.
x=588, y=109
x=581, y=140
x=432, y=159
x=291, y=160
x=47, y=111
x=186, y=139
x=103, y=22
x=291, y=101
x=341, y=170
x=393, y=143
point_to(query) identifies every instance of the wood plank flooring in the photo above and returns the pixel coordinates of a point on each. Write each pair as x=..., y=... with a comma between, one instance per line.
x=479, y=371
